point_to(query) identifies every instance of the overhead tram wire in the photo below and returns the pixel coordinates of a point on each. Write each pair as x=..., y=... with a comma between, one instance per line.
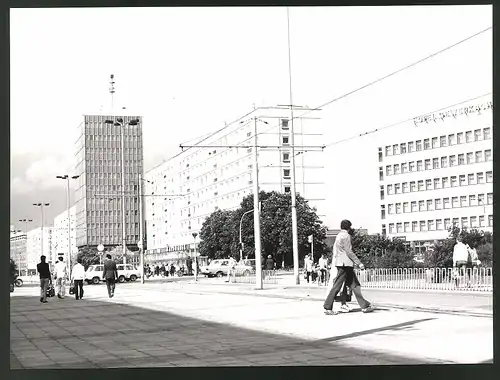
x=386, y=76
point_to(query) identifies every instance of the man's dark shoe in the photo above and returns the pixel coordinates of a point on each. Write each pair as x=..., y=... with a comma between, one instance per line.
x=58, y=295
x=41, y=299
x=45, y=301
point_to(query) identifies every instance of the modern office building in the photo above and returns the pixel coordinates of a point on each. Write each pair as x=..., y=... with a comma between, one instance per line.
x=99, y=193
x=18, y=245
x=34, y=247
x=187, y=188
x=61, y=234
x=440, y=175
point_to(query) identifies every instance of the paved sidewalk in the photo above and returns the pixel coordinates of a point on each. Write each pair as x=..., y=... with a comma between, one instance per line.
x=171, y=325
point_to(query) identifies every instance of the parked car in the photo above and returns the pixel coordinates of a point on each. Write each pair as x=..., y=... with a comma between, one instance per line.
x=126, y=272
x=245, y=267
x=217, y=268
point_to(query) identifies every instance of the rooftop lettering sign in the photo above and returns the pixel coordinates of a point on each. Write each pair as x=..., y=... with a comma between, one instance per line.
x=454, y=113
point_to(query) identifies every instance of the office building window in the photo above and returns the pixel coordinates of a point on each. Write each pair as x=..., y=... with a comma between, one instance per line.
x=407, y=227
x=437, y=183
x=461, y=159
x=470, y=158
x=463, y=201
x=380, y=155
x=395, y=149
x=381, y=173
x=396, y=169
x=480, y=177
x=430, y=225
x=451, y=139
x=489, y=176
x=472, y=200
x=461, y=180
x=434, y=142
x=421, y=205
x=384, y=231
x=402, y=148
x=447, y=223
x=442, y=141
x=438, y=205
x=406, y=207
x=479, y=156
x=421, y=185
x=382, y=212
x=285, y=140
x=388, y=170
x=481, y=221
x=453, y=160
x=489, y=198
x=473, y=222
x=486, y=133
x=460, y=138
x=427, y=144
x=428, y=184
x=284, y=124
x=411, y=166
x=444, y=162
x=468, y=136
x=391, y=228
x=430, y=205
x=414, y=226
x=388, y=150
x=435, y=163
x=287, y=189
x=405, y=187
x=455, y=222
x=389, y=189
x=470, y=179
x=404, y=167
x=390, y=209
x=480, y=199
x=413, y=206
x=423, y=226
x=465, y=222
x=397, y=188
x=445, y=182
x=418, y=145
x=477, y=135
x=399, y=227
x=382, y=193
x=453, y=181
x=286, y=157
x=420, y=165
x=454, y=202
x=487, y=155
x=411, y=147
x=398, y=208
x=286, y=173
x=413, y=186
x=439, y=224
x=428, y=164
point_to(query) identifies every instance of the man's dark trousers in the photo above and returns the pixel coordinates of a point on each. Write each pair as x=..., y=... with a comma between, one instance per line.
x=110, y=284
x=78, y=289
x=344, y=274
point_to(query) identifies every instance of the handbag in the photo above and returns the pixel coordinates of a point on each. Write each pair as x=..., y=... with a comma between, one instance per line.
x=50, y=291
x=72, y=289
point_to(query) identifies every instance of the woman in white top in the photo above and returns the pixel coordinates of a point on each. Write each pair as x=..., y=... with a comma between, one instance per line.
x=77, y=276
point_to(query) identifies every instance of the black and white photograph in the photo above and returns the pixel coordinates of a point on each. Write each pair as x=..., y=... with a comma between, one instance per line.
x=250, y=186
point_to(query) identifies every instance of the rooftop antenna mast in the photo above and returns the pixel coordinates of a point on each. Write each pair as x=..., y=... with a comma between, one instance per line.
x=112, y=88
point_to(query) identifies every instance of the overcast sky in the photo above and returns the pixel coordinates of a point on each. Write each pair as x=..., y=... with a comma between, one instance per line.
x=188, y=70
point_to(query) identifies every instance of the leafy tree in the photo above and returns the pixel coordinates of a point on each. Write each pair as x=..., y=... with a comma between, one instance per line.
x=217, y=235
x=89, y=256
x=13, y=270
x=485, y=254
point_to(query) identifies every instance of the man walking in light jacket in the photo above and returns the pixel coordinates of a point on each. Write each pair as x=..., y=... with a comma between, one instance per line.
x=60, y=277
x=78, y=275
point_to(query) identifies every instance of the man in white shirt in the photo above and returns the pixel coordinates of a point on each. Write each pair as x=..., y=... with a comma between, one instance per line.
x=308, y=267
x=61, y=273
x=78, y=275
x=231, y=270
x=460, y=259
x=323, y=262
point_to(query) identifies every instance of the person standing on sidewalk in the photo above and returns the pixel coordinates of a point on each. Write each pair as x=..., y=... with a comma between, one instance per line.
x=323, y=263
x=460, y=259
x=308, y=267
x=77, y=276
x=60, y=277
x=45, y=278
x=231, y=269
x=110, y=275
x=344, y=260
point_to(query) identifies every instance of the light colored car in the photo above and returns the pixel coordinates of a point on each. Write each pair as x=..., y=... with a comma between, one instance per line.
x=126, y=272
x=220, y=268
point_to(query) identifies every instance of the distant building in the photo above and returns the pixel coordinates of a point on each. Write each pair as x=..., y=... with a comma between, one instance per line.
x=98, y=197
x=440, y=176
x=18, y=251
x=187, y=188
x=61, y=237
x=34, y=247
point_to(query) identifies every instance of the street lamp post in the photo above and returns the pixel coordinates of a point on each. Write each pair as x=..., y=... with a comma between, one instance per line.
x=41, y=205
x=140, y=243
x=120, y=123
x=25, y=221
x=67, y=178
x=195, y=258
x=256, y=214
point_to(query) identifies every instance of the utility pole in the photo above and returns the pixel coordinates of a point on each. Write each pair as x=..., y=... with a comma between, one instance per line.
x=256, y=211
x=295, y=239
x=141, y=229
